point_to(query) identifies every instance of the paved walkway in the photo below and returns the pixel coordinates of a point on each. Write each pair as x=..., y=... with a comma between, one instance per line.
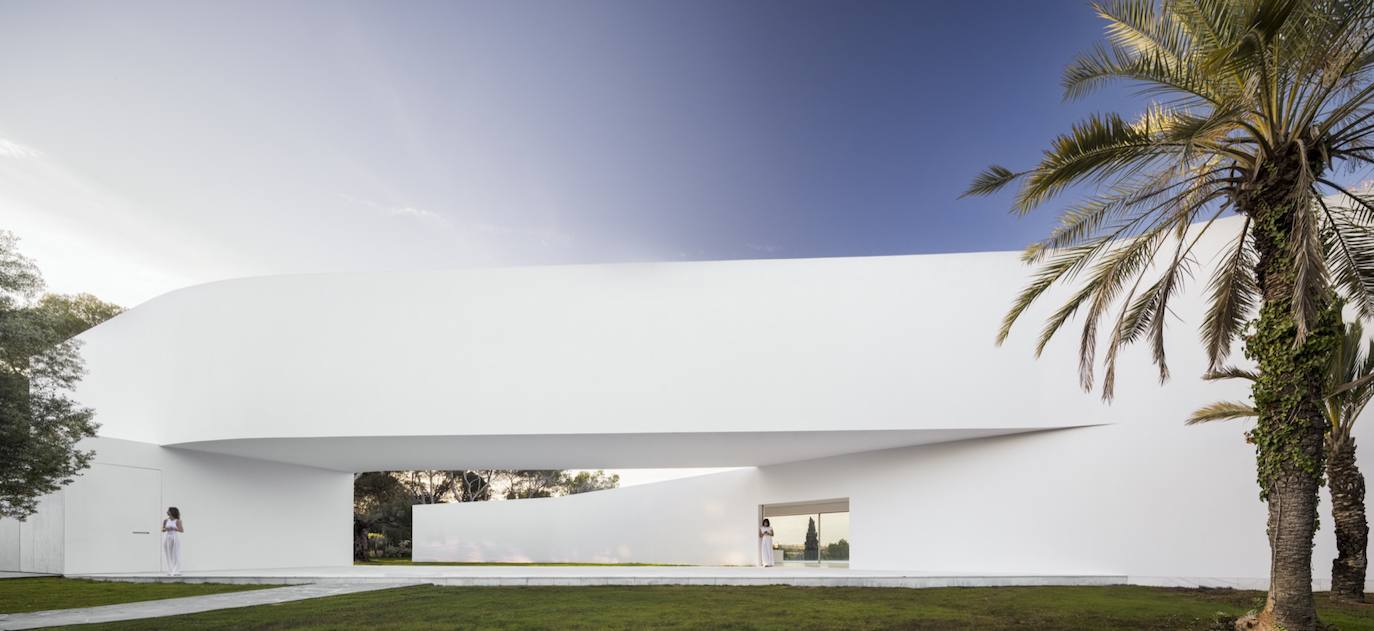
x=178, y=606
x=505, y=575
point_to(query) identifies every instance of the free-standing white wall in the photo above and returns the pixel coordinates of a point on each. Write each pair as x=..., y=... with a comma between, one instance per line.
x=692, y=521
x=239, y=513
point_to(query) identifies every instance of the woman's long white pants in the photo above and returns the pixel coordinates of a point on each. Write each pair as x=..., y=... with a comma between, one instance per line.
x=171, y=552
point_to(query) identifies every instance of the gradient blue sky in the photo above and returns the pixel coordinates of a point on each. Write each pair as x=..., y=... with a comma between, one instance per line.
x=150, y=145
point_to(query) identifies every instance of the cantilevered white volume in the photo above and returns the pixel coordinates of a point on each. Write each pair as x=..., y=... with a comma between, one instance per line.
x=870, y=380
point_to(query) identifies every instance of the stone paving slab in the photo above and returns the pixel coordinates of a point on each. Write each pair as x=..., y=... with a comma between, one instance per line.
x=179, y=606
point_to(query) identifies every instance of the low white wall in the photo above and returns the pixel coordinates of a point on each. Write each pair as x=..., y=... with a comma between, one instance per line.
x=239, y=514
x=693, y=521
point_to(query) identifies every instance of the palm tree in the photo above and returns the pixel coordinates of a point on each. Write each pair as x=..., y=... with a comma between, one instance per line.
x=1255, y=106
x=1343, y=474
x=1350, y=380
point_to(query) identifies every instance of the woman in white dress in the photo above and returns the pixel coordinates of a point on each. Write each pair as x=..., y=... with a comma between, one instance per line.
x=171, y=541
x=766, y=544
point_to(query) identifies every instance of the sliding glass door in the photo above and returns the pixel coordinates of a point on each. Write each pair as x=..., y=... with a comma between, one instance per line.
x=810, y=533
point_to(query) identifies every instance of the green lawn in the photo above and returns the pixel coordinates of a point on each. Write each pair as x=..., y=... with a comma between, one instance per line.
x=678, y=607
x=41, y=593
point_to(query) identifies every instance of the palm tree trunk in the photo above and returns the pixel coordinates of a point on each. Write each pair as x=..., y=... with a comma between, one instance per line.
x=1352, y=529
x=1289, y=438
x=1292, y=522
x=1289, y=435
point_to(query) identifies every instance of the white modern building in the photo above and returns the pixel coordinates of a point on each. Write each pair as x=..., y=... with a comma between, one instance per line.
x=865, y=393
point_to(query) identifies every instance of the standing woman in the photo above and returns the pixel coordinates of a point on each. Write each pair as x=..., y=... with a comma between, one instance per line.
x=171, y=541
x=766, y=544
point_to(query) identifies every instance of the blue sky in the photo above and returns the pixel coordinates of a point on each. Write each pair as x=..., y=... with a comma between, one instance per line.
x=150, y=145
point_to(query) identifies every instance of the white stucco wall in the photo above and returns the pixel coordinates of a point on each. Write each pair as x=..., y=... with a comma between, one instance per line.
x=239, y=514
x=9, y=545
x=1149, y=499
x=691, y=521
x=36, y=544
x=42, y=537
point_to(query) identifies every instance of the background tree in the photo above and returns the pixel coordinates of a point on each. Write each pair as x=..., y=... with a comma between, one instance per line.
x=69, y=316
x=429, y=486
x=1350, y=382
x=383, y=500
x=40, y=426
x=1353, y=361
x=381, y=504
x=838, y=550
x=588, y=481
x=532, y=483
x=475, y=485
x=1257, y=105
x=812, y=547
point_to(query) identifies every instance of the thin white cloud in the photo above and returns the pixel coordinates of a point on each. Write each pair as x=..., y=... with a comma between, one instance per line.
x=416, y=213
x=409, y=212
x=11, y=149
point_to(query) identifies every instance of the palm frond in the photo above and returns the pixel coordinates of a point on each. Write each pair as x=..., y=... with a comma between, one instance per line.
x=1349, y=248
x=1310, y=275
x=1231, y=372
x=1063, y=265
x=991, y=180
x=1096, y=145
x=1107, y=279
x=1222, y=411
x=1232, y=296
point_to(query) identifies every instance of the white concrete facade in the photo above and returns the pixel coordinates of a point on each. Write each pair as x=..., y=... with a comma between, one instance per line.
x=107, y=520
x=871, y=379
x=1121, y=500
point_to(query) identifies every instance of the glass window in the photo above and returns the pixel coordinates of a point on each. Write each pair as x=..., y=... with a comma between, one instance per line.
x=790, y=535
x=834, y=536
x=811, y=538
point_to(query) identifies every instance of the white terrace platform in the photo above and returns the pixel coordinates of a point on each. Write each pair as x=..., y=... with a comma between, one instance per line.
x=508, y=576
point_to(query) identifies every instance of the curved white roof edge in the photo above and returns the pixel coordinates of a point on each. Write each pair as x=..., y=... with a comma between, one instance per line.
x=552, y=266
x=839, y=350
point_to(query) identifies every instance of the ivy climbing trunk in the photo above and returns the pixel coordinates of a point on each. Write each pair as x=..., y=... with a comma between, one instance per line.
x=1289, y=435
x=1347, y=511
